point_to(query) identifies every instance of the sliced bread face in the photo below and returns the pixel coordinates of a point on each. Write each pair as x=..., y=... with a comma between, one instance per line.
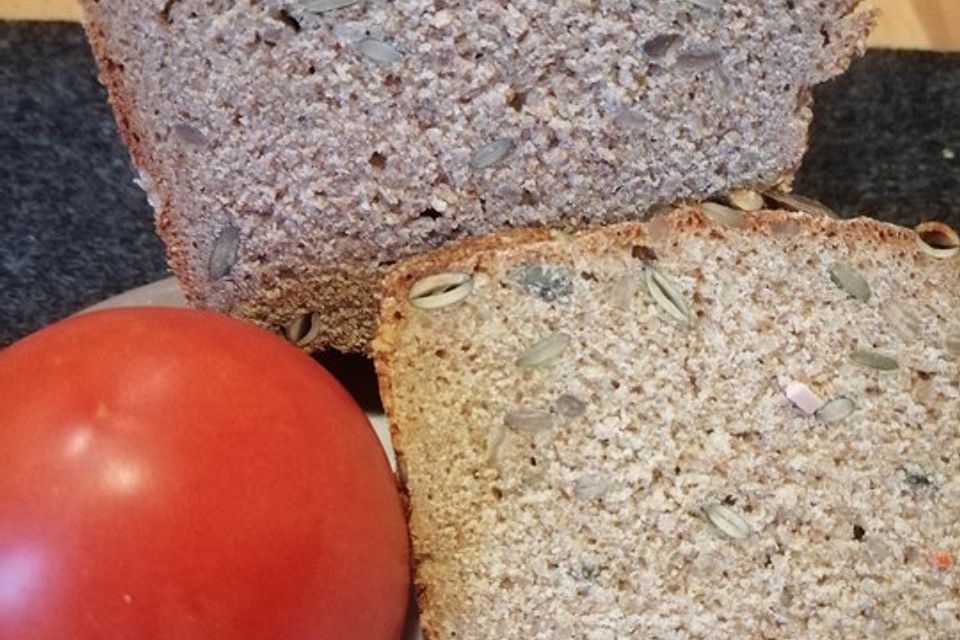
x=681, y=430
x=296, y=149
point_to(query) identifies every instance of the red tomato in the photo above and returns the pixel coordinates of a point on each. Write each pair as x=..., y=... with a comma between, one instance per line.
x=177, y=475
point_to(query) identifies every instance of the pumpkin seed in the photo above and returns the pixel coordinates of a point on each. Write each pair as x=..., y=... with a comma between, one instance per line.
x=937, y=240
x=728, y=521
x=224, y=253
x=850, y=280
x=801, y=203
x=492, y=153
x=527, y=422
x=723, y=215
x=379, y=51
x=667, y=296
x=659, y=46
x=544, y=351
x=590, y=486
x=874, y=360
x=544, y=281
x=190, y=134
x=835, y=410
x=570, y=406
x=323, y=6
x=440, y=290
x=304, y=329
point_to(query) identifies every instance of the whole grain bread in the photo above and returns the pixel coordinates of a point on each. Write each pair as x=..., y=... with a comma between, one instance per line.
x=681, y=429
x=295, y=149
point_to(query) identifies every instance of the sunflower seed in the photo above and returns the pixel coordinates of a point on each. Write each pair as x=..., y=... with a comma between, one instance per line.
x=570, y=406
x=903, y=321
x=224, y=253
x=303, y=329
x=667, y=296
x=874, y=360
x=745, y=200
x=850, y=280
x=728, y=521
x=544, y=351
x=698, y=60
x=495, y=443
x=379, y=51
x=544, y=281
x=492, y=153
x=527, y=422
x=190, y=134
x=835, y=410
x=440, y=290
x=937, y=240
x=803, y=398
x=801, y=203
x=323, y=6
x=590, y=486
x=661, y=45
x=723, y=215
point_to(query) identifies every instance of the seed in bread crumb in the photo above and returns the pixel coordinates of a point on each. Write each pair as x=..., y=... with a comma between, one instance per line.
x=849, y=280
x=803, y=398
x=304, y=329
x=543, y=281
x=728, y=521
x=527, y=422
x=800, y=203
x=544, y=351
x=492, y=153
x=440, y=290
x=659, y=46
x=745, y=199
x=723, y=215
x=835, y=410
x=874, y=360
x=379, y=51
x=590, y=486
x=323, y=6
x=937, y=240
x=952, y=343
x=224, y=253
x=570, y=406
x=709, y=5
x=667, y=296
x=903, y=320
x=190, y=134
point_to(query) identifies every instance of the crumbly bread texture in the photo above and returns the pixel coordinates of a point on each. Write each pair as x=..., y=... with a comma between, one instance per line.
x=668, y=479
x=293, y=155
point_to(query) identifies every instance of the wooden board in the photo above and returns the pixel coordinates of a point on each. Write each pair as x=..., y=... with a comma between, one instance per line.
x=904, y=24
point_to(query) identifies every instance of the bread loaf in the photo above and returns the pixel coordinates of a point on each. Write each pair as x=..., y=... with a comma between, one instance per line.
x=682, y=429
x=294, y=150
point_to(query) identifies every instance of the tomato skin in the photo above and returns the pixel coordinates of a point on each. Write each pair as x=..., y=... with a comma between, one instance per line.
x=177, y=475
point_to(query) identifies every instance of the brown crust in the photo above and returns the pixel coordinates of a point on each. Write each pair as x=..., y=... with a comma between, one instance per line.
x=133, y=133
x=470, y=255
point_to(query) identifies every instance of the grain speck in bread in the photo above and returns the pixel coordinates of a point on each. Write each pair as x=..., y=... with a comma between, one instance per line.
x=333, y=138
x=786, y=465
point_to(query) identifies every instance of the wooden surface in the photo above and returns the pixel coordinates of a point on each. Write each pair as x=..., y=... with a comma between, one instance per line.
x=904, y=24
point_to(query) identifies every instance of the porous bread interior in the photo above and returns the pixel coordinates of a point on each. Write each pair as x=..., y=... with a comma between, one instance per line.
x=844, y=536
x=333, y=166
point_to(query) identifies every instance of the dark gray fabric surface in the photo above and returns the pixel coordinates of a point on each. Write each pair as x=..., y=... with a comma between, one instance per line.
x=74, y=229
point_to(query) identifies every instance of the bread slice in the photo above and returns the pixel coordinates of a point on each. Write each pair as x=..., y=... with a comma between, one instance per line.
x=681, y=430
x=296, y=149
